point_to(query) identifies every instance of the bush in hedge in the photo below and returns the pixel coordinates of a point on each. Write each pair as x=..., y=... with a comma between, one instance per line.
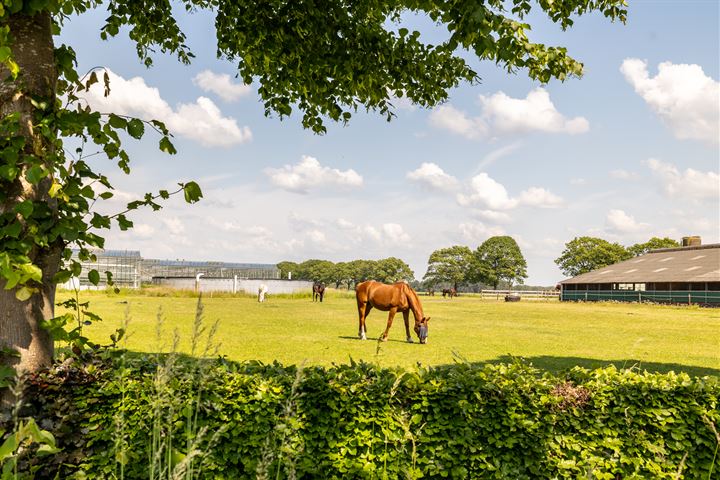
x=224, y=420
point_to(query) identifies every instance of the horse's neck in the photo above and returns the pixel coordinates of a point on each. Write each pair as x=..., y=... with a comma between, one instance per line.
x=414, y=303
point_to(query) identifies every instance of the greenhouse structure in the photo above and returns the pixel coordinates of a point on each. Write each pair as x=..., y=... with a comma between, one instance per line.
x=130, y=270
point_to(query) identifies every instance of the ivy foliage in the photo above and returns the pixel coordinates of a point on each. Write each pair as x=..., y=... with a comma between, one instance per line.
x=361, y=421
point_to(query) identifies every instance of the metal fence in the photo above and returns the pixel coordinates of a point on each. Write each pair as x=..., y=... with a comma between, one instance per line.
x=659, y=296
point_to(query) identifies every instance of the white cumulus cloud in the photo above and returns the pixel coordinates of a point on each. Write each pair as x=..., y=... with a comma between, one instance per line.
x=476, y=232
x=394, y=233
x=621, y=222
x=539, y=197
x=501, y=114
x=201, y=120
x=308, y=174
x=485, y=192
x=682, y=95
x=432, y=176
x=221, y=84
x=691, y=183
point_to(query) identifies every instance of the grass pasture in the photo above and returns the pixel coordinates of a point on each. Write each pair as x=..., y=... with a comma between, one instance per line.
x=551, y=335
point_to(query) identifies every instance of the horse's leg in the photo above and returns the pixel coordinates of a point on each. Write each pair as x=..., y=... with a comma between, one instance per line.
x=391, y=316
x=363, y=310
x=406, y=317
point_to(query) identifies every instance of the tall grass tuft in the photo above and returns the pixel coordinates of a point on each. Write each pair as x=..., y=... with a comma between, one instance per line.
x=172, y=455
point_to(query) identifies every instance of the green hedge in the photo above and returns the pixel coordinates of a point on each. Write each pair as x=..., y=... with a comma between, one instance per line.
x=361, y=421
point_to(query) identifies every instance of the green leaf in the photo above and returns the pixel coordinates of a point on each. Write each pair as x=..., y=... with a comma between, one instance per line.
x=35, y=174
x=117, y=122
x=192, y=192
x=94, y=277
x=23, y=293
x=136, y=128
x=24, y=208
x=5, y=53
x=124, y=223
x=167, y=146
x=7, y=449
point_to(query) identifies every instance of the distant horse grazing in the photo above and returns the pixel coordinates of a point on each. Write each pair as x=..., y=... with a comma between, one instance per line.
x=318, y=291
x=398, y=297
x=262, y=290
x=451, y=292
x=431, y=292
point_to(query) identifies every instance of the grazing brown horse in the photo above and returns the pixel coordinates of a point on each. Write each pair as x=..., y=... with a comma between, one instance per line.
x=318, y=291
x=398, y=297
x=451, y=292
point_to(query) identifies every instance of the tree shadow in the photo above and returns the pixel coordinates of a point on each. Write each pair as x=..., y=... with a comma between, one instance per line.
x=557, y=364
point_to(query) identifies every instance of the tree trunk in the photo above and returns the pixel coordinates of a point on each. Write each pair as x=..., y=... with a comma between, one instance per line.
x=33, y=51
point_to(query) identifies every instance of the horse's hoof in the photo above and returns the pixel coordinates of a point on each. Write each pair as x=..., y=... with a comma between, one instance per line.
x=410, y=340
x=384, y=339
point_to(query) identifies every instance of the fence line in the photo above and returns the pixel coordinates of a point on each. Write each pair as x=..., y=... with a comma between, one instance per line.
x=526, y=294
x=661, y=296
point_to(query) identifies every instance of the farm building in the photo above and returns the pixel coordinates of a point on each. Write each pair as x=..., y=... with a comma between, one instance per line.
x=689, y=274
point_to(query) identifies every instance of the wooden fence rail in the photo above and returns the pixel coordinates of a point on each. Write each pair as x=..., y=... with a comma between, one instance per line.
x=525, y=294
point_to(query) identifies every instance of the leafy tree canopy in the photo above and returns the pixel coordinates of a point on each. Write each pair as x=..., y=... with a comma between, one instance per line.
x=652, y=244
x=499, y=259
x=449, y=265
x=584, y=254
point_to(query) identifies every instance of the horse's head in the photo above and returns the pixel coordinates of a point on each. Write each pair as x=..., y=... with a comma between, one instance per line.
x=421, y=329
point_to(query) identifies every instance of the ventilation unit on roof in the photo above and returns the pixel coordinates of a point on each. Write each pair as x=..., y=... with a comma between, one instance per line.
x=693, y=241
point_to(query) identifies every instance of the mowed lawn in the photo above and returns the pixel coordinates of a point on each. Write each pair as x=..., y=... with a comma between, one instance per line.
x=552, y=335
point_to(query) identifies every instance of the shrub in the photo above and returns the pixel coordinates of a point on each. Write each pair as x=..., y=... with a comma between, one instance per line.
x=361, y=421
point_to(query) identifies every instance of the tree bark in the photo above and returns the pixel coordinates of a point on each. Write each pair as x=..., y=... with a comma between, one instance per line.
x=33, y=51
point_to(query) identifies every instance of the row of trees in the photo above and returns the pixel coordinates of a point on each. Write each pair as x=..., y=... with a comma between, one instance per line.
x=348, y=274
x=584, y=254
x=497, y=261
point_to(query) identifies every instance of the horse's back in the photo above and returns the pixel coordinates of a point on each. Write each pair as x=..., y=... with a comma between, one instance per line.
x=380, y=295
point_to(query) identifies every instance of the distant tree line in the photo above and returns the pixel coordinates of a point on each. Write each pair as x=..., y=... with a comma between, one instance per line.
x=348, y=274
x=497, y=261
x=584, y=254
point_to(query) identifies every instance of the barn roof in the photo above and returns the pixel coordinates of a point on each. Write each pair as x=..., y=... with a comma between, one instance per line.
x=684, y=264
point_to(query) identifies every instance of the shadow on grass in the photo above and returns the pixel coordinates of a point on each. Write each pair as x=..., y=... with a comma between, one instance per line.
x=370, y=339
x=556, y=364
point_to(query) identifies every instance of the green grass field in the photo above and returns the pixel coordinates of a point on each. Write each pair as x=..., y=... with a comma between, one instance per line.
x=551, y=335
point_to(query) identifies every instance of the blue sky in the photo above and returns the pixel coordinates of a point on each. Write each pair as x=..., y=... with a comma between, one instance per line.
x=628, y=152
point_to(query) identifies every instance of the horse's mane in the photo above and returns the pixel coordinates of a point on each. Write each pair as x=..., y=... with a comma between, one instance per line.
x=413, y=300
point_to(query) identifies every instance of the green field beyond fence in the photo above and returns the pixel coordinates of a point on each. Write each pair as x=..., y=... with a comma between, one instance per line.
x=552, y=335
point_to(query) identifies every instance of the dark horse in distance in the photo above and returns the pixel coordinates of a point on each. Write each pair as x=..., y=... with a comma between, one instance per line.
x=318, y=291
x=450, y=292
x=398, y=297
